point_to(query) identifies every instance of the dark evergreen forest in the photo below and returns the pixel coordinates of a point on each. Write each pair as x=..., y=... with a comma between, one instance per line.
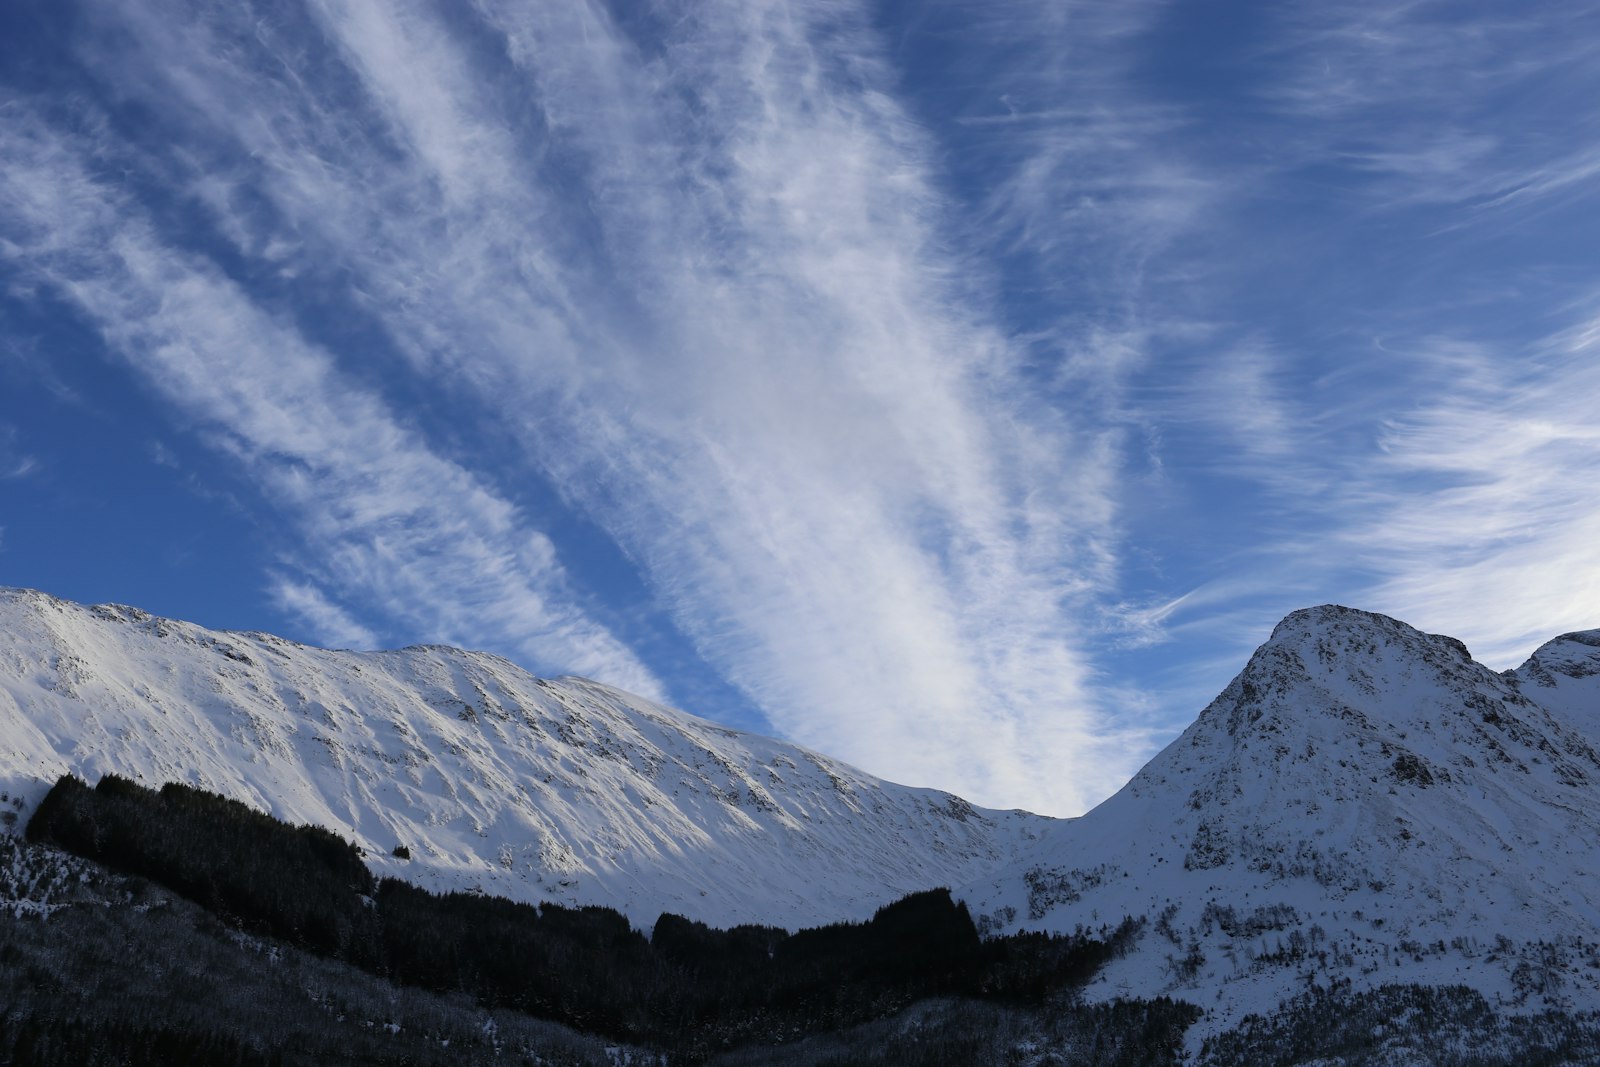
x=178, y=927
x=685, y=989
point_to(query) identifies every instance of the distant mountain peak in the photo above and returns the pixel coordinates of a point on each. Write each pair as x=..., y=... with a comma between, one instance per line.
x=1572, y=655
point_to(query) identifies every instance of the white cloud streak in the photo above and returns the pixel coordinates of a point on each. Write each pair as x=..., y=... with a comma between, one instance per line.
x=333, y=625
x=718, y=274
x=1416, y=94
x=14, y=461
x=709, y=278
x=1425, y=473
x=386, y=520
x=1489, y=528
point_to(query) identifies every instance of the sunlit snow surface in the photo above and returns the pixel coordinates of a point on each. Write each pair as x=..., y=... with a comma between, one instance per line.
x=1364, y=802
x=1371, y=804
x=529, y=788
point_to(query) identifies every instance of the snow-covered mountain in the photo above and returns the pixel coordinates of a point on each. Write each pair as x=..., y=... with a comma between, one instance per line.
x=529, y=788
x=1363, y=802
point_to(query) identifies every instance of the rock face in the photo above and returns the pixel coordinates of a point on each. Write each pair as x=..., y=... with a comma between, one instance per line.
x=490, y=778
x=1364, y=802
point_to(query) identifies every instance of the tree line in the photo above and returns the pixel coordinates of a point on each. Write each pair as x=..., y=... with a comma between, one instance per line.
x=686, y=988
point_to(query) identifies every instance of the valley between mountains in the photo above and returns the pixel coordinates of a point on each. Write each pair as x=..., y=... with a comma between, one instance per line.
x=1364, y=807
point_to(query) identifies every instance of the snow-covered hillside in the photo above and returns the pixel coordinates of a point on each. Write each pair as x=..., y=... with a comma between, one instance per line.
x=1363, y=801
x=529, y=788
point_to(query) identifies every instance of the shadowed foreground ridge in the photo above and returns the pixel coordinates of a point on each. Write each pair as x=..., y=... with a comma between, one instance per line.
x=687, y=989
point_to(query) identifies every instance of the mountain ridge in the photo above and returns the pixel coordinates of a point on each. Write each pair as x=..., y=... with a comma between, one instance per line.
x=535, y=789
x=1364, y=803
x=1363, y=806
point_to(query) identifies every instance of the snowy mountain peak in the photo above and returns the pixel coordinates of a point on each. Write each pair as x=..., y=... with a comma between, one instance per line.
x=1347, y=663
x=1362, y=801
x=1340, y=701
x=1563, y=675
x=1337, y=629
x=1574, y=655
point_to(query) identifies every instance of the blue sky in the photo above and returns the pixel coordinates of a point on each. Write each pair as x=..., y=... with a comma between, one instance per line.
x=960, y=388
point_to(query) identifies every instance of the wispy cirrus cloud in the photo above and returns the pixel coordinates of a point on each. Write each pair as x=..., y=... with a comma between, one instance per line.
x=1487, y=524
x=1417, y=95
x=333, y=625
x=1088, y=181
x=925, y=364
x=1395, y=174
x=1458, y=131
x=385, y=520
x=15, y=461
x=708, y=285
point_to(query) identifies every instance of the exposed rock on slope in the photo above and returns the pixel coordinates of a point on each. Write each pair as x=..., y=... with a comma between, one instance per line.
x=1363, y=802
x=529, y=788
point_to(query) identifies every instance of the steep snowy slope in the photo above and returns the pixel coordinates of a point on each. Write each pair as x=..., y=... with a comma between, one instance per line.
x=1363, y=801
x=1564, y=676
x=530, y=788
